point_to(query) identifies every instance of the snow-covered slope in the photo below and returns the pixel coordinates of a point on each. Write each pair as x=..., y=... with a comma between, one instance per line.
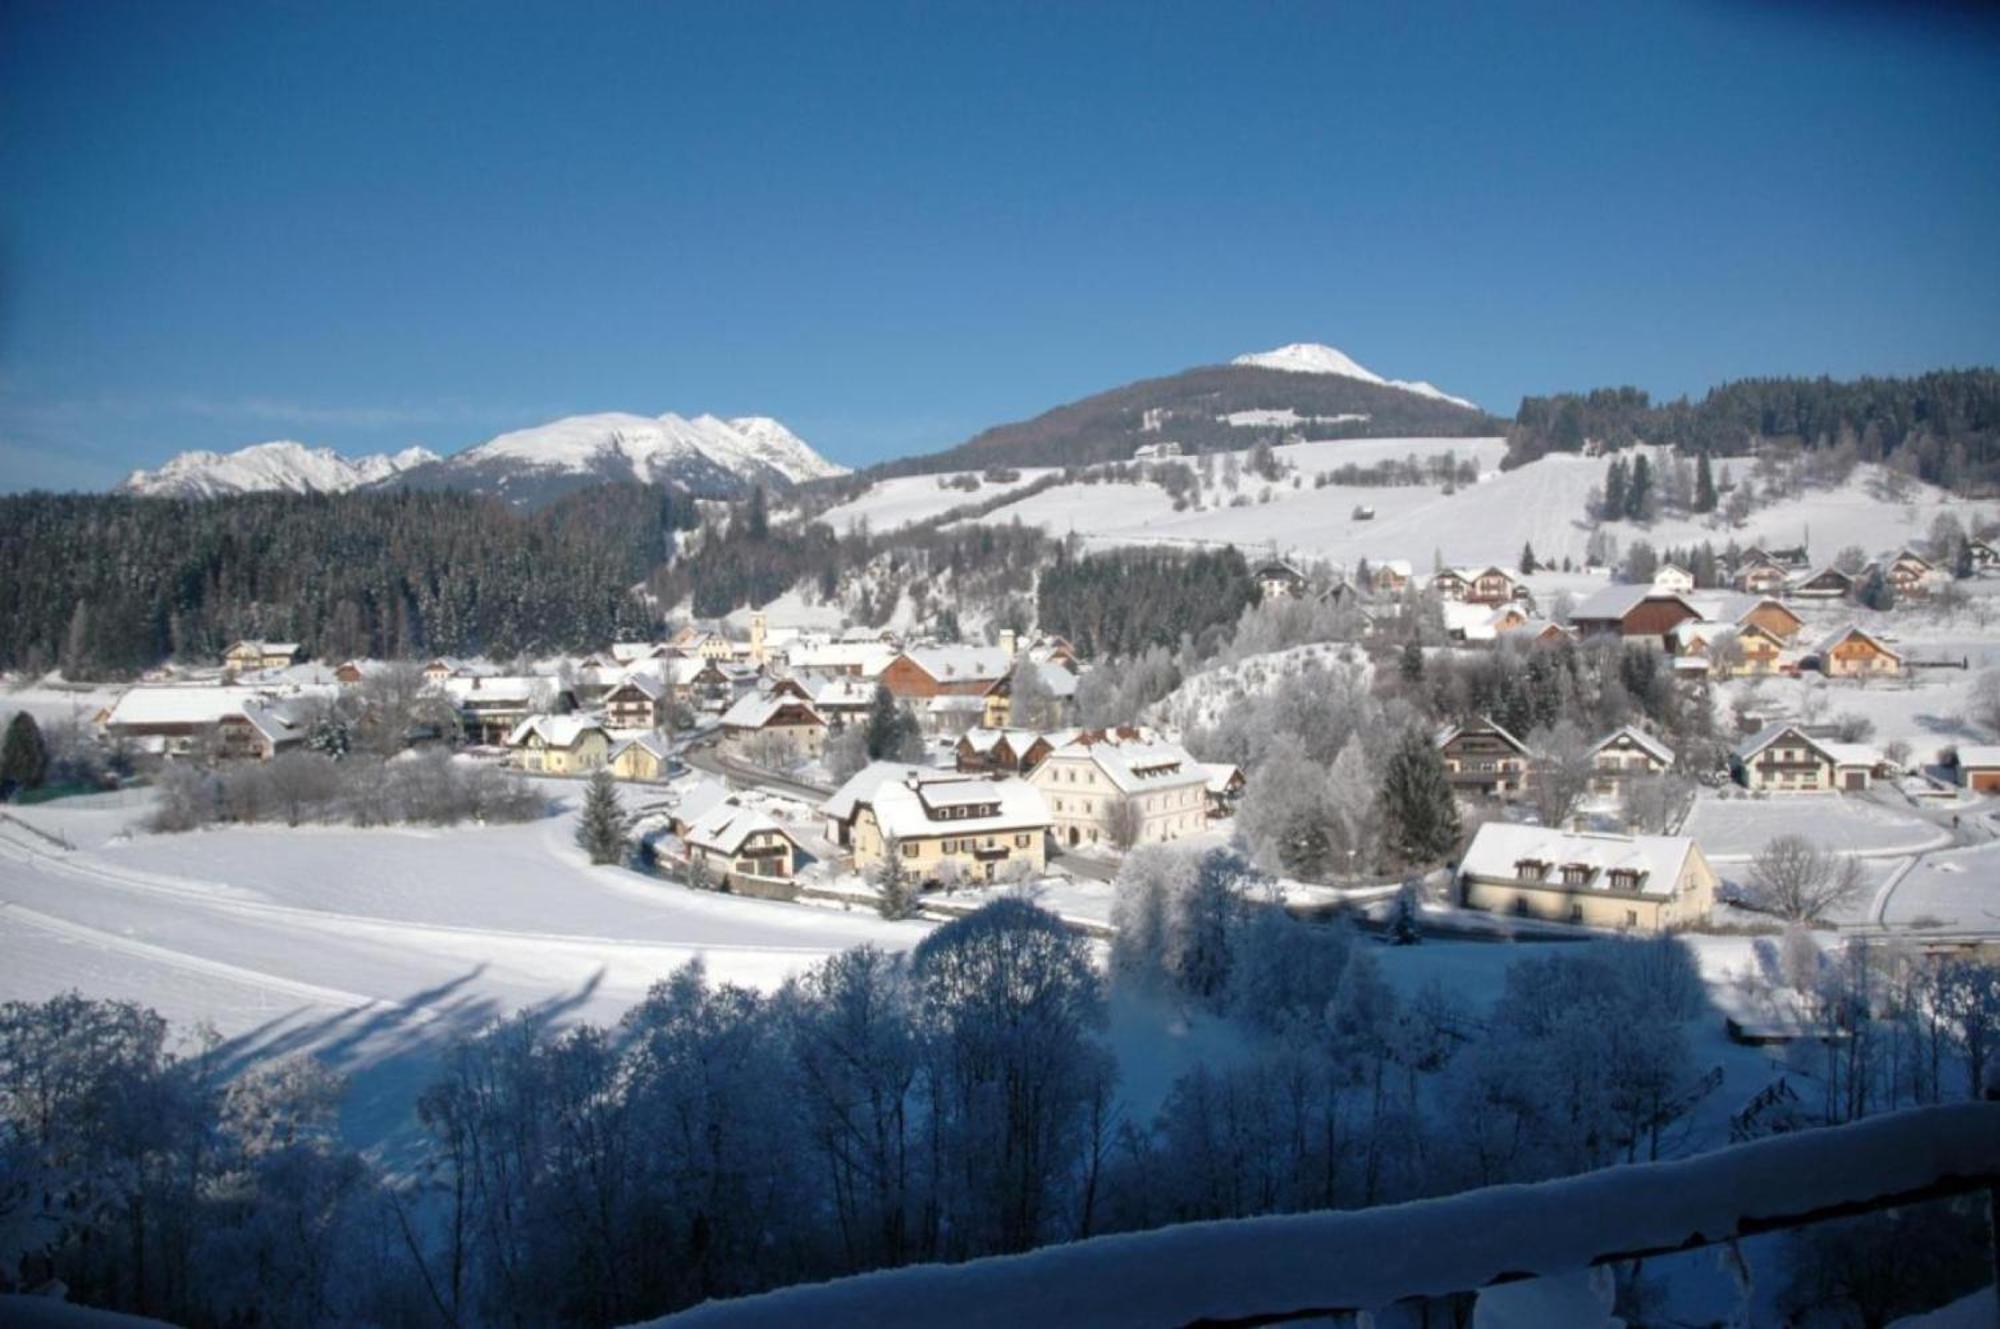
x=284, y=465
x=1305, y=357
x=710, y=456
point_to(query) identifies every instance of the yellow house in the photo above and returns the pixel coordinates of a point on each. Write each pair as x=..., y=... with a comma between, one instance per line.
x=940, y=825
x=1852, y=653
x=1122, y=788
x=1631, y=883
x=559, y=745
x=243, y=656
x=740, y=846
x=645, y=757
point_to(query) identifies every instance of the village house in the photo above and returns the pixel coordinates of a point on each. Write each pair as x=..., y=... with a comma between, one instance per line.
x=1631, y=883
x=863, y=659
x=1826, y=584
x=937, y=825
x=1785, y=758
x=764, y=724
x=646, y=757
x=743, y=849
x=1224, y=787
x=997, y=710
x=1979, y=767
x=843, y=699
x=350, y=673
x=641, y=701
x=1911, y=575
x=559, y=745
x=1982, y=554
x=441, y=667
x=1624, y=753
x=1849, y=652
x=930, y=671
x=1482, y=758
x=201, y=720
x=1761, y=577
x=244, y=656
x=1007, y=751
x=1279, y=580
x=1492, y=585
x=490, y=708
x=1631, y=611
x=1391, y=576
x=1122, y=788
x=1673, y=577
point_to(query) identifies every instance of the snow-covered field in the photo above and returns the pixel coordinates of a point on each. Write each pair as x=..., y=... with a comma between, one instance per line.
x=1734, y=829
x=914, y=498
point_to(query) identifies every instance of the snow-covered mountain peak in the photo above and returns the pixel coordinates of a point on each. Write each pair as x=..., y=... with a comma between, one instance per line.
x=751, y=448
x=1315, y=358
x=284, y=465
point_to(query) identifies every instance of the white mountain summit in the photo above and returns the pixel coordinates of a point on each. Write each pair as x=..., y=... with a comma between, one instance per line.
x=284, y=466
x=1312, y=358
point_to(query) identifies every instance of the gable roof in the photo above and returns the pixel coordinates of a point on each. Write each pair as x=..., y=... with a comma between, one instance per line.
x=860, y=787
x=1640, y=737
x=725, y=826
x=1451, y=731
x=949, y=663
x=556, y=731
x=754, y=710
x=1847, y=630
x=648, y=742
x=1612, y=603
x=1140, y=763
x=1771, y=733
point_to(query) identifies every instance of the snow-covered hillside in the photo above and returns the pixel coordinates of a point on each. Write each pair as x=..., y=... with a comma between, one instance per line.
x=908, y=499
x=284, y=466
x=1306, y=357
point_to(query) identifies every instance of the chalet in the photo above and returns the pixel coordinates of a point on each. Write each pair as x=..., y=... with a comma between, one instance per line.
x=243, y=656
x=938, y=825
x=640, y=702
x=641, y=757
x=258, y=731
x=559, y=744
x=758, y=719
x=1391, y=576
x=1911, y=575
x=1826, y=584
x=350, y=673
x=1761, y=577
x=1224, y=787
x=1624, y=753
x=1450, y=584
x=491, y=708
x=1631, y=611
x=699, y=684
x=1758, y=651
x=1008, y=751
x=1849, y=652
x=1278, y=580
x=1122, y=788
x=1492, y=585
x=1055, y=650
x=441, y=667
x=1633, y=883
x=1787, y=758
x=1482, y=758
x=1979, y=767
x=1673, y=577
x=741, y=847
x=930, y=671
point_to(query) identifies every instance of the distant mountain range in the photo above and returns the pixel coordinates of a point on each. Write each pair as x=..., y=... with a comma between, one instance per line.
x=1306, y=391
x=706, y=455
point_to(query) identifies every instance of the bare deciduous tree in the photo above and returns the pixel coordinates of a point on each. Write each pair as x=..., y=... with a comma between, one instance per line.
x=1797, y=880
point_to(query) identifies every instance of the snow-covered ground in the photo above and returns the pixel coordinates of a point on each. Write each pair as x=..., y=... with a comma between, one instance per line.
x=1732, y=830
x=907, y=499
x=1202, y=698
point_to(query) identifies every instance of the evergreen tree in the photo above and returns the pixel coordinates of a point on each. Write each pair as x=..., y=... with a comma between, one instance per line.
x=24, y=756
x=1614, y=490
x=757, y=519
x=600, y=831
x=896, y=890
x=1405, y=928
x=1528, y=563
x=1411, y=666
x=1419, y=814
x=1639, y=489
x=1704, y=484
x=330, y=737
x=890, y=727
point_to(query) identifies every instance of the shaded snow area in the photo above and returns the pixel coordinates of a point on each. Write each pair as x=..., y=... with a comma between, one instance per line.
x=1370, y=1258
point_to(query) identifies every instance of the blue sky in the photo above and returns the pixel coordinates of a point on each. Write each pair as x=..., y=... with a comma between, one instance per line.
x=366, y=225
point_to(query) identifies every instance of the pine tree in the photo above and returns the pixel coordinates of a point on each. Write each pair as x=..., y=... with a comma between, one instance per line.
x=1639, y=489
x=1528, y=563
x=1405, y=929
x=600, y=830
x=885, y=726
x=896, y=892
x=1614, y=490
x=24, y=756
x=1419, y=814
x=1704, y=485
x=1411, y=667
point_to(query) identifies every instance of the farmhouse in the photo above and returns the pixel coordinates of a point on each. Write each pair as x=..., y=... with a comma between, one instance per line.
x=559, y=744
x=939, y=825
x=1624, y=753
x=641, y=757
x=1849, y=652
x=243, y=656
x=1912, y=575
x=179, y=721
x=1482, y=758
x=1673, y=577
x=1761, y=577
x=639, y=702
x=1634, y=883
x=1225, y=786
x=843, y=699
x=491, y=708
x=1631, y=611
x=1012, y=751
x=1122, y=787
x=1391, y=576
x=1826, y=584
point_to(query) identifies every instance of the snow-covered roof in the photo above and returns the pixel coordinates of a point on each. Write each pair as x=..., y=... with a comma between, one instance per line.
x=1769, y=734
x=625, y=652
x=555, y=731
x=847, y=690
x=871, y=657
x=1499, y=848
x=860, y=787
x=1137, y=764
x=1220, y=775
x=1614, y=602
x=647, y=742
x=647, y=683
x=695, y=799
x=951, y=703
x=1060, y=682
x=1853, y=754
x=179, y=704
x=1845, y=631
x=754, y=710
x=921, y=805
x=494, y=690
x=1451, y=731
x=725, y=826
x=948, y=663
x=1638, y=736
x=1978, y=754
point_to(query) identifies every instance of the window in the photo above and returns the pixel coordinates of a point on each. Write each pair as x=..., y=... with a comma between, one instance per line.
x=949, y=847
x=1576, y=913
x=1021, y=841
x=1631, y=918
x=910, y=850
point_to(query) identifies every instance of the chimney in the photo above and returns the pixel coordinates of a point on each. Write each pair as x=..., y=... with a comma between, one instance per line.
x=1010, y=642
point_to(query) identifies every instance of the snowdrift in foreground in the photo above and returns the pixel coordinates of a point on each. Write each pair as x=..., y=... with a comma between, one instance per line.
x=1374, y=1257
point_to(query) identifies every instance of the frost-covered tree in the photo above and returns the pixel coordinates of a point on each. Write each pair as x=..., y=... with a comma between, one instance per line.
x=602, y=825
x=1284, y=814
x=1419, y=814
x=1563, y=770
x=1801, y=881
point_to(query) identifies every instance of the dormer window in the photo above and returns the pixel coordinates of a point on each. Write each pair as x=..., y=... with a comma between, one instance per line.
x=1529, y=869
x=1576, y=874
